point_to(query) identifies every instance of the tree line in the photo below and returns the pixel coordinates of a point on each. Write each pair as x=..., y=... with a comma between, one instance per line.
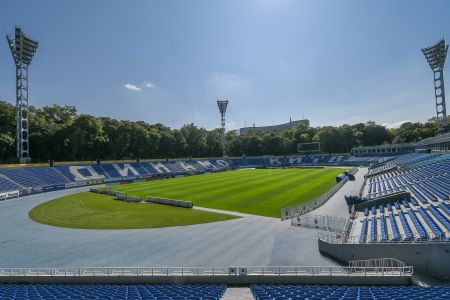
x=60, y=133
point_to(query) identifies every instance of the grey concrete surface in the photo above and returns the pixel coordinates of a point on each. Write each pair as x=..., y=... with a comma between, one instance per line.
x=248, y=241
x=238, y=293
x=429, y=258
x=336, y=205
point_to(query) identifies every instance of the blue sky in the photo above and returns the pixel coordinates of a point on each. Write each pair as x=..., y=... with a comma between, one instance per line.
x=332, y=61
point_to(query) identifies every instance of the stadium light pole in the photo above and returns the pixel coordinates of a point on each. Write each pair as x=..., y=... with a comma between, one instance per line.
x=435, y=56
x=22, y=50
x=222, y=104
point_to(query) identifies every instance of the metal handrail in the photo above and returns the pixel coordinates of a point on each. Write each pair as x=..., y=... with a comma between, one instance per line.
x=206, y=271
x=323, y=222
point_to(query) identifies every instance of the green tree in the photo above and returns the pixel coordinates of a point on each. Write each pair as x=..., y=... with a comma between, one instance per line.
x=329, y=139
x=252, y=144
x=374, y=134
x=6, y=144
x=84, y=138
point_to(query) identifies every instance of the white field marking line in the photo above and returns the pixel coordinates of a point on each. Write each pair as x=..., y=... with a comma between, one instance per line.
x=230, y=212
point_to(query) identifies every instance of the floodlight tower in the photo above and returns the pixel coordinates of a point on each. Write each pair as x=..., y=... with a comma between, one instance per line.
x=222, y=104
x=435, y=56
x=22, y=50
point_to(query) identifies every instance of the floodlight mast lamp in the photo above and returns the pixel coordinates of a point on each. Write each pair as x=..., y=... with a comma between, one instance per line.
x=435, y=56
x=222, y=104
x=22, y=50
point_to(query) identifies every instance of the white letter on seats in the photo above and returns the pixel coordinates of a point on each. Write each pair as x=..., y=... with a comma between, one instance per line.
x=187, y=166
x=274, y=161
x=160, y=167
x=124, y=171
x=75, y=171
x=295, y=160
x=206, y=164
x=222, y=163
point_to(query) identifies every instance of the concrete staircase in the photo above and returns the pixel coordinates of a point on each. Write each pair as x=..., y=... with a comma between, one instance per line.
x=10, y=180
x=235, y=293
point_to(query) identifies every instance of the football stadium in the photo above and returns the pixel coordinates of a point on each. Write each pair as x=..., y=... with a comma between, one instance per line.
x=97, y=205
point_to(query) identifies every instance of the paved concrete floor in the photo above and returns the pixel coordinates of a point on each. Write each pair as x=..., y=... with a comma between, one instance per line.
x=238, y=293
x=248, y=241
x=337, y=206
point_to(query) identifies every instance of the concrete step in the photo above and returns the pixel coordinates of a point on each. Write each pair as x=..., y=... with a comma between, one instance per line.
x=235, y=293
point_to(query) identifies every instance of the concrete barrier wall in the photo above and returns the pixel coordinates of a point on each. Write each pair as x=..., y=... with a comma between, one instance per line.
x=124, y=197
x=231, y=280
x=105, y=192
x=432, y=259
x=178, y=203
x=383, y=200
x=118, y=195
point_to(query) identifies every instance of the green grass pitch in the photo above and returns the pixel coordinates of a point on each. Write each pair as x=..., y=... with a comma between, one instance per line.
x=95, y=211
x=260, y=192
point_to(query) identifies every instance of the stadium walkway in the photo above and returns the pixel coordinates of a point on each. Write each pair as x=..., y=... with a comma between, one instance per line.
x=336, y=205
x=238, y=293
x=248, y=241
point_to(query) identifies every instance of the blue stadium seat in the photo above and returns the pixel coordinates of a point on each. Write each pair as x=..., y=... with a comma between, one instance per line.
x=383, y=228
x=431, y=223
x=363, y=233
x=424, y=175
x=418, y=224
x=7, y=185
x=373, y=229
x=394, y=227
x=405, y=226
x=285, y=292
x=440, y=216
x=96, y=291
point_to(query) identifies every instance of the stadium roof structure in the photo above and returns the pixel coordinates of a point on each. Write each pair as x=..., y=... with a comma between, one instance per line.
x=278, y=127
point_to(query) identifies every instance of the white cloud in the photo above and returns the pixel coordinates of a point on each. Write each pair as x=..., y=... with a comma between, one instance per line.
x=395, y=124
x=150, y=85
x=132, y=87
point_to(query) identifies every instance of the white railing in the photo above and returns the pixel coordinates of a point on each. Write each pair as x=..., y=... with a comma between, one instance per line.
x=233, y=271
x=329, y=223
x=301, y=209
x=376, y=262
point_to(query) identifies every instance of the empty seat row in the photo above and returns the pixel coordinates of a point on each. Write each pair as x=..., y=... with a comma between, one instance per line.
x=285, y=292
x=363, y=234
x=119, y=292
x=426, y=178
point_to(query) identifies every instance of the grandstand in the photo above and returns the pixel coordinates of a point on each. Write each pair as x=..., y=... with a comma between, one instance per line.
x=215, y=292
x=98, y=292
x=404, y=211
x=425, y=176
x=436, y=143
x=30, y=180
x=414, y=229
x=278, y=127
x=266, y=292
